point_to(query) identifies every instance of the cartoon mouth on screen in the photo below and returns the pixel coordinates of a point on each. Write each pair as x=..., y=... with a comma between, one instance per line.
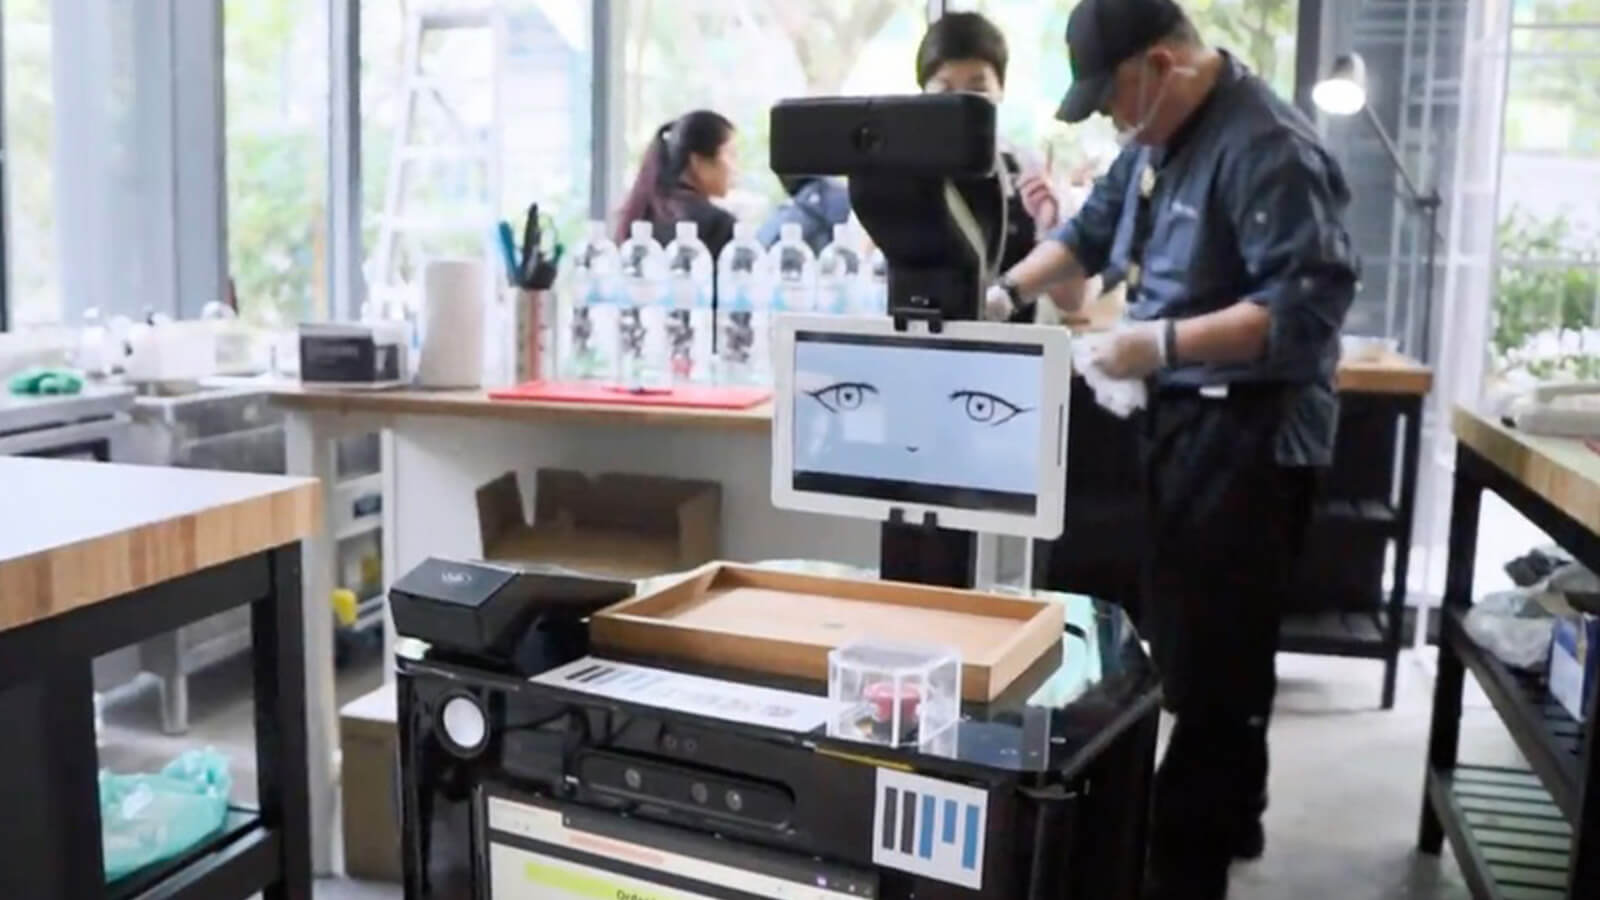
x=937, y=422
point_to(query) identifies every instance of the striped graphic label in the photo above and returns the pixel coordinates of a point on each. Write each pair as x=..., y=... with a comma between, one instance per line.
x=930, y=828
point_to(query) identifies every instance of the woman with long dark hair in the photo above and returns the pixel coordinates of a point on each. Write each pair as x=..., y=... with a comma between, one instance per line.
x=689, y=161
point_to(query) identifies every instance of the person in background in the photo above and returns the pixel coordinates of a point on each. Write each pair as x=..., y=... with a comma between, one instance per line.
x=816, y=204
x=689, y=162
x=964, y=51
x=1225, y=214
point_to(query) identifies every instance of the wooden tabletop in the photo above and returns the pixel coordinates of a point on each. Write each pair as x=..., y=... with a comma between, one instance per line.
x=478, y=404
x=1388, y=374
x=1563, y=471
x=76, y=533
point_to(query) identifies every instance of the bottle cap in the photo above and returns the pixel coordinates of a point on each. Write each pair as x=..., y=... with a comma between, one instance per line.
x=640, y=230
x=688, y=231
x=597, y=230
x=841, y=233
x=790, y=232
x=744, y=231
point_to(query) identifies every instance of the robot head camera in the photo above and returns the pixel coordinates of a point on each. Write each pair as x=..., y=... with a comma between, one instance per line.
x=923, y=181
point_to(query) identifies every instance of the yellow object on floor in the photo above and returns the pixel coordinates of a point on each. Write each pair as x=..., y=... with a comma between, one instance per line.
x=345, y=606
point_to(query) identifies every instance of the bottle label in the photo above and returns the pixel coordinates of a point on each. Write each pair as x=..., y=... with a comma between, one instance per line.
x=686, y=294
x=737, y=297
x=792, y=298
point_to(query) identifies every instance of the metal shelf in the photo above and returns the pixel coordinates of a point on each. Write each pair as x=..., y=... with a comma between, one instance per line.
x=1550, y=739
x=242, y=847
x=1510, y=840
x=1378, y=514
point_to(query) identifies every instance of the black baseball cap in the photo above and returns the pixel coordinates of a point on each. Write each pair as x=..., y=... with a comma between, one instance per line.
x=1101, y=35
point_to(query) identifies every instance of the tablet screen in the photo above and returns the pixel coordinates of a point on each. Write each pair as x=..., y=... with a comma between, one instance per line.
x=924, y=420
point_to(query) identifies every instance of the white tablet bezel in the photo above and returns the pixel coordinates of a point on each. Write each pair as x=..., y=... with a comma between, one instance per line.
x=1055, y=372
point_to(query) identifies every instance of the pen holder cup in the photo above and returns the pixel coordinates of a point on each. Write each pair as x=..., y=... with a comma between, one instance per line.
x=535, y=312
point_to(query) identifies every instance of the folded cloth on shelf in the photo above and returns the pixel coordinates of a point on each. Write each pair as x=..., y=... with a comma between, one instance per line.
x=1120, y=396
x=46, y=380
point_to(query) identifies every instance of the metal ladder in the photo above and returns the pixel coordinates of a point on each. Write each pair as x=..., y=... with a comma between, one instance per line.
x=389, y=277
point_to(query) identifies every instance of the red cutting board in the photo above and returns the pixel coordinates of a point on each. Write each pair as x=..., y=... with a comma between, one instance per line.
x=683, y=396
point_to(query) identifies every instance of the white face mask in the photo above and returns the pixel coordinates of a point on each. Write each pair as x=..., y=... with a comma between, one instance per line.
x=1127, y=136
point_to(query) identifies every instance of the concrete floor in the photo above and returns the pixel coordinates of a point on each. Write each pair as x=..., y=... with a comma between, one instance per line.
x=1346, y=780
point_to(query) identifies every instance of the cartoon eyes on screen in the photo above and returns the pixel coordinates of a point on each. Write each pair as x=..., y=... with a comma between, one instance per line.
x=982, y=407
x=843, y=396
x=986, y=408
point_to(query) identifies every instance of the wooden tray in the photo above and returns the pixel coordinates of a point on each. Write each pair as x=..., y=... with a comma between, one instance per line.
x=783, y=623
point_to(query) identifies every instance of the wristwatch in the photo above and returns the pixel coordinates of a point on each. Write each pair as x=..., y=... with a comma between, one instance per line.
x=1169, y=343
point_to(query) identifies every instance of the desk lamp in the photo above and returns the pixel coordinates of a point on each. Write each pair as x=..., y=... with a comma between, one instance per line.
x=1344, y=93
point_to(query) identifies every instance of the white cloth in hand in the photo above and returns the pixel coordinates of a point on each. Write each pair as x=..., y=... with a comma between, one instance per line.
x=1119, y=396
x=997, y=305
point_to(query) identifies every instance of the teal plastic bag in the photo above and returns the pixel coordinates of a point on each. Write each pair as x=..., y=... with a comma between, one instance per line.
x=145, y=819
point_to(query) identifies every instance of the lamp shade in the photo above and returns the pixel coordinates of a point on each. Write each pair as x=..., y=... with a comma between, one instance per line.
x=1344, y=91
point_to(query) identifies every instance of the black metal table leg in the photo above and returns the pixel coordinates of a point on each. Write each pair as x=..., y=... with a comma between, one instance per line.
x=1402, y=548
x=278, y=656
x=50, y=829
x=1586, y=830
x=1444, y=736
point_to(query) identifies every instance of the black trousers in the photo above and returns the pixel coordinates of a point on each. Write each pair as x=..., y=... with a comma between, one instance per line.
x=1227, y=523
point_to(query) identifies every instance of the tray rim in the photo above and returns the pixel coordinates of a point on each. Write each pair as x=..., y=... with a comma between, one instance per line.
x=619, y=627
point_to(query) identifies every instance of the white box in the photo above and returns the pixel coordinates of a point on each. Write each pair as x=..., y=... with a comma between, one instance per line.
x=1574, y=659
x=895, y=694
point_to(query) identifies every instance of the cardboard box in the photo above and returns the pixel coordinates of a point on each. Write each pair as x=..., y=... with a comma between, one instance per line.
x=1575, y=662
x=614, y=525
x=369, y=742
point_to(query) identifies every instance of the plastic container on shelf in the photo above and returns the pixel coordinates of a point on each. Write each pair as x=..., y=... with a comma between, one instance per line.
x=840, y=274
x=875, y=298
x=689, y=318
x=641, y=320
x=588, y=346
x=895, y=694
x=744, y=300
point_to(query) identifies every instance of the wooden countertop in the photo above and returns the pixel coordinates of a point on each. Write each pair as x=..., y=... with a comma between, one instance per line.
x=477, y=404
x=1390, y=374
x=76, y=533
x=1561, y=470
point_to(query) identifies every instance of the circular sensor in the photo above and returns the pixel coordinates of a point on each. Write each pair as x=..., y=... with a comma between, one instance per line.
x=464, y=723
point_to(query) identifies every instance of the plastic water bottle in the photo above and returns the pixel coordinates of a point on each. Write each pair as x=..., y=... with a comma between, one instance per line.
x=840, y=275
x=875, y=299
x=744, y=301
x=690, y=320
x=794, y=272
x=641, y=319
x=588, y=349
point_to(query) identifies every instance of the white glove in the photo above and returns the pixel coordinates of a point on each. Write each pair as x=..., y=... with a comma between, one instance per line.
x=997, y=305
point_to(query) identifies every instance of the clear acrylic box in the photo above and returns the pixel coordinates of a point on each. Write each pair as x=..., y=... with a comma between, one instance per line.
x=895, y=694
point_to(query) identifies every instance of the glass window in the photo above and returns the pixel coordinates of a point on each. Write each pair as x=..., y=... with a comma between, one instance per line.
x=467, y=117
x=33, y=294
x=740, y=58
x=276, y=82
x=1555, y=12
x=1546, y=312
x=1261, y=32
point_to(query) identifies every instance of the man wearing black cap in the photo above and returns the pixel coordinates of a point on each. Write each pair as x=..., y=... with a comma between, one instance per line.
x=1224, y=212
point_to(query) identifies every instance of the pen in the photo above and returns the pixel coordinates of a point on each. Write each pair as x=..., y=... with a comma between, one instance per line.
x=531, y=238
x=508, y=253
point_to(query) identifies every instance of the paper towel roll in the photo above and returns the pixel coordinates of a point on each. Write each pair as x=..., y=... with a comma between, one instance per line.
x=453, y=299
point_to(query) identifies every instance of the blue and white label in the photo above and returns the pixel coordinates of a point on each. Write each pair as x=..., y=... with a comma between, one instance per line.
x=930, y=828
